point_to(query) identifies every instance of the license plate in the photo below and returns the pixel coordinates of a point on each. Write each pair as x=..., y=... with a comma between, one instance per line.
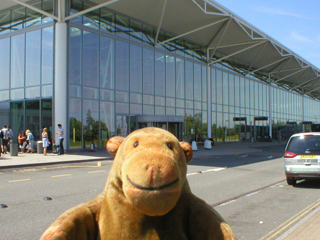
x=308, y=156
x=304, y=169
x=308, y=161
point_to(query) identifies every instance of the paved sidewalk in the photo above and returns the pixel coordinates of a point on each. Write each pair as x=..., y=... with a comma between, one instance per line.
x=32, y=159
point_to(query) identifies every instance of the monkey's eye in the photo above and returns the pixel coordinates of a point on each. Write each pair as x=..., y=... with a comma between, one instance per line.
x=136, y=143
x=169, y=146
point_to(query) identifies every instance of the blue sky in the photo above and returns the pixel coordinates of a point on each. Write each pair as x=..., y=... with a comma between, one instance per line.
x=293, y=23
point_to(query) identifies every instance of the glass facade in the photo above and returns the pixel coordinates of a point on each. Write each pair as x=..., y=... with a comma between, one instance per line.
x=115, y=74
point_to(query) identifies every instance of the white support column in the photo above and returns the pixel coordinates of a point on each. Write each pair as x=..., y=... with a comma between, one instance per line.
x=60, y=82
x=209, y=99
x=270, y=108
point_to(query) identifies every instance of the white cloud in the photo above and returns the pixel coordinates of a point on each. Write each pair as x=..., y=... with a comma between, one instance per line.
x=278, y=12
x=301, y=38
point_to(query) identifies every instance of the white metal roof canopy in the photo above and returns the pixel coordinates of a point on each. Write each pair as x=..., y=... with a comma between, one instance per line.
x=228, y=38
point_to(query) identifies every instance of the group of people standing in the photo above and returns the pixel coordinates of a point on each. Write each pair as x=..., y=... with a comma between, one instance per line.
x=26, y=140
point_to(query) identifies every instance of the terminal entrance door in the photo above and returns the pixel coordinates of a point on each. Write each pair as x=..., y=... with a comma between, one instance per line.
x=173, y=124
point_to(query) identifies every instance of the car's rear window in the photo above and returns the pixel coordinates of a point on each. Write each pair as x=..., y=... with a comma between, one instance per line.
x=304, y=145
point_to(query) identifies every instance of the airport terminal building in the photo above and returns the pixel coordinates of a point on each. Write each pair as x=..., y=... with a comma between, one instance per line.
x=103, y=68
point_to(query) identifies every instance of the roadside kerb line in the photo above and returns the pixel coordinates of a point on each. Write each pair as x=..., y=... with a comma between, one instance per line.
x=19, y=180
x=281, y=228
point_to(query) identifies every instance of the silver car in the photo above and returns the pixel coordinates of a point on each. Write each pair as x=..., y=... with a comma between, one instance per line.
x=302, y=157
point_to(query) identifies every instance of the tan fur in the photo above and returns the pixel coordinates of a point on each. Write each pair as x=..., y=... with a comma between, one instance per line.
x=147, y=197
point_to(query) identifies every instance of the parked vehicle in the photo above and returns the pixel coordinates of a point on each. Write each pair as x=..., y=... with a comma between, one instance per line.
x=302, y=157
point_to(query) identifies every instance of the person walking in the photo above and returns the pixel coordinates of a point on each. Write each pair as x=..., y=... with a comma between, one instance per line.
x=45, y=140
x=10, y=138
x=22, y=140
x=30, y=139
x=5, y=139
x=61, y=138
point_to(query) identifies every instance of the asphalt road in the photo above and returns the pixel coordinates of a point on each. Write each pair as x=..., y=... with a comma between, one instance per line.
x=249, y=191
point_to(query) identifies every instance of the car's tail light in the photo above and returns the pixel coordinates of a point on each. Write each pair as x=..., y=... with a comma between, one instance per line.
x=288, y=154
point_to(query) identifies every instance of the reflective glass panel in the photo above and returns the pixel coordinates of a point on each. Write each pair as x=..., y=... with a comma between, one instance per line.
x=170, y=76
x=148, y=71
x=75, y=122
x=160, y=74
x=90, y=67
x=33, y=52
x=107, y=121
x=75, y=55
x=135, y=68
x=5, y=63
x=189, y=80
x=47, y=56
x=122, y=66
x=17, y=61
x=179, y=78
x=90, y=122
x=106, y=62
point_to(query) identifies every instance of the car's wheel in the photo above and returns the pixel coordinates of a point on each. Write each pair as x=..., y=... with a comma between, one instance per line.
x=291, y=181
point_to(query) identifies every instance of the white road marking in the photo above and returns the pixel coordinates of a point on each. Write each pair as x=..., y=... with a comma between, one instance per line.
x=208, y=170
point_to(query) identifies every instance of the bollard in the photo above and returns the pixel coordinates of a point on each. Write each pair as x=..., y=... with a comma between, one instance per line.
x=14, y=149
x=207, y=144
x=194, y=146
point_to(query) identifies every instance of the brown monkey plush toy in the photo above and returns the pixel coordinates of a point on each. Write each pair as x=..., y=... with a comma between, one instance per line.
x=147, y=196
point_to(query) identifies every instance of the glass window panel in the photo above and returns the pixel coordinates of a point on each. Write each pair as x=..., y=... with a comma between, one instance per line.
x=33, y=18
x=189, y=80
x=160, y=111
x=75, y=91
x=170, y=111
x=179, y=112
x=225, y=84
x=17, y=94
x=197, y=82
x=77, y=6
x=106, y=62
x=247, y=93
x=17, y=61
x=33, y=117
x=122, y=108
x=197, y=105
x=204, y=83
x=180, y=103
x=122, y=97
x=107, y=121
x=5, y=22
x=33, y=52
x=107, y=95
x=18, y=18
x=219, y=89
x=148, y=110
x=46, y=91
x=135, y=109
x=179, y=78
x=231, y=89
x=135, y=98
x=135, y=68
x=148, y=35
x=5, y=63
x=75, y=113
x=170, y=76
x=4, y=95
x=90, y=93
x=148, y=71
x=90, y=71
x=90, y=122
x=122, y=66
x=91, y=19
x=47, y=56
x=75, y=55
x=237, y=91
x=204, y=106
x=213, y=86
x=32, y=92
x=189, y=104
x=160, y=74
x=135, y=31
x=122, y=26
x=148, y=99
x=107, y=21
x=170, y=102
x=160, y=101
